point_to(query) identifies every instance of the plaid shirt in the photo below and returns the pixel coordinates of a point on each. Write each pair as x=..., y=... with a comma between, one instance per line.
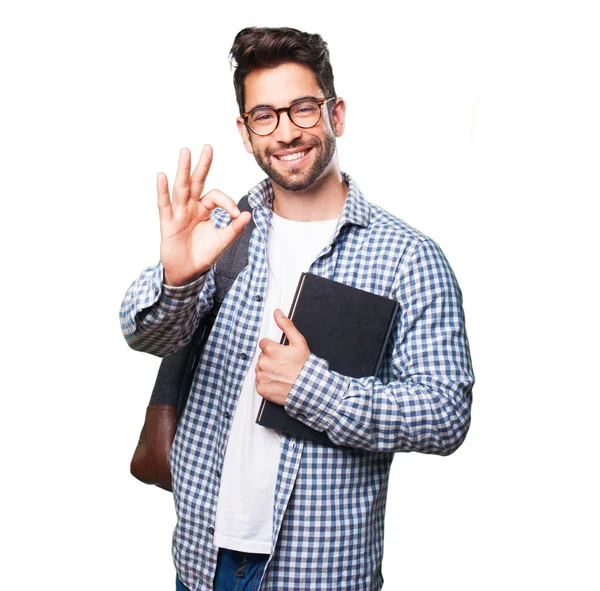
x=329, y=503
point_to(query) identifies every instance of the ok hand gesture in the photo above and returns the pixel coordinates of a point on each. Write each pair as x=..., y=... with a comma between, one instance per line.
x=190, y=243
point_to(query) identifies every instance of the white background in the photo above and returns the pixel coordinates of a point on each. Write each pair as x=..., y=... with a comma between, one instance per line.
x=476, y=122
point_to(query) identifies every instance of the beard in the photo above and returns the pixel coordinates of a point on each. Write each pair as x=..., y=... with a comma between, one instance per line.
x=296, y=179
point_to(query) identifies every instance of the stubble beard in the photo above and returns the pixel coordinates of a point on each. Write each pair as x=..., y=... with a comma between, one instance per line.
x=292, y=179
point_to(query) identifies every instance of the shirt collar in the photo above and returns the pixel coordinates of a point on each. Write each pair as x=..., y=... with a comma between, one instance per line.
x=355, y=210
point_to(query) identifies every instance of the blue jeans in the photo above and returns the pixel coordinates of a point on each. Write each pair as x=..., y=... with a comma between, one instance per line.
x=236, y=571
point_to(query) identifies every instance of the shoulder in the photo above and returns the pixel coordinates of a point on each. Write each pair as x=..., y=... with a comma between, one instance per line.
x=420, y=267
x=382, y=230
x=382, y=220
x=394, y=237
x=419, y=260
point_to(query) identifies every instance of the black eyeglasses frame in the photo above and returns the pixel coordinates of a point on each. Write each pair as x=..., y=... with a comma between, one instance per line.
x=319, y=102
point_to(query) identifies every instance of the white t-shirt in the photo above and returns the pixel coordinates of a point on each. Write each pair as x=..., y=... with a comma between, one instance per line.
x=244, y=520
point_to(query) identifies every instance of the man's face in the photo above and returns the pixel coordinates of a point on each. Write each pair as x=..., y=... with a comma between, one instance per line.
x=292, y=157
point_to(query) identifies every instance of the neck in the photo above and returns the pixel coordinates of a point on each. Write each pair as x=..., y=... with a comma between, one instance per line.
x=323, y=200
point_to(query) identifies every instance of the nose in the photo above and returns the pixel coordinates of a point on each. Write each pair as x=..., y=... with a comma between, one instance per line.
x=286, y=131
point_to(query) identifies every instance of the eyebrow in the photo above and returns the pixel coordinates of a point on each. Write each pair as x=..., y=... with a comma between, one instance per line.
x=296, y=100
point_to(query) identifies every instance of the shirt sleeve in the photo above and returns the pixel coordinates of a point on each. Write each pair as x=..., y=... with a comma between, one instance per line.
x=161, y=319
x=426, y=406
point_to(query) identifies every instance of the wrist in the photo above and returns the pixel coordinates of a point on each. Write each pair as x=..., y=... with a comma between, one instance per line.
x=174, y=281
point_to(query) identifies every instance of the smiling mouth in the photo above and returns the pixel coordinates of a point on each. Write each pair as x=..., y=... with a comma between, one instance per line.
x=294, y=156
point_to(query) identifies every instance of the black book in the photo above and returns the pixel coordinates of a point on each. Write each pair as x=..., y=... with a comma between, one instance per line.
x=346, y=326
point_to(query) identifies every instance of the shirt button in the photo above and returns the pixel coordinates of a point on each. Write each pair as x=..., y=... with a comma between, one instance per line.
x=257, y=298
x=227, y=415
x=156, y=291
x=219, y=473
x=243, y=356
x=211, y=530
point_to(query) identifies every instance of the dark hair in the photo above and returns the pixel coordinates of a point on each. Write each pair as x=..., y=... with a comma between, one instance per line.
x=264, y=47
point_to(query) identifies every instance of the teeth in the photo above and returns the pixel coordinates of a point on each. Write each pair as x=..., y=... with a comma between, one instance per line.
x=294, y=156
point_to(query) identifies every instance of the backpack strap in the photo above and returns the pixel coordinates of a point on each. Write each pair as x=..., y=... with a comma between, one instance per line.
x=229, y=265
x=177, y=370
x=234, y=259
x=150, y=461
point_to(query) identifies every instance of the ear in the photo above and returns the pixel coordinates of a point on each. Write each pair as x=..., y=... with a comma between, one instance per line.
x=245, y=134
x=339, y=116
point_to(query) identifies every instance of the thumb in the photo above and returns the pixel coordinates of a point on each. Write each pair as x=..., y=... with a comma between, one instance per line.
x=235, y=228
x=294, y=336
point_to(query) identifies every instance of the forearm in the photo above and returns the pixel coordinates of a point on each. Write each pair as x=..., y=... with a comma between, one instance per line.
x=160, y=319
x=422, y=398
x=431, y=415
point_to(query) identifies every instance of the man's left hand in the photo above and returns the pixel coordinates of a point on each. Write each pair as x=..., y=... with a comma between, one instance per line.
x=279, y=365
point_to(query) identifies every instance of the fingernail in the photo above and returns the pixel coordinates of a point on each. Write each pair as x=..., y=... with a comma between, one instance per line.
x=236, y=211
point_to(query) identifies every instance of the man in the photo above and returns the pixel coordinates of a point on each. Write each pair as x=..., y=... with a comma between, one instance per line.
x=255, y=507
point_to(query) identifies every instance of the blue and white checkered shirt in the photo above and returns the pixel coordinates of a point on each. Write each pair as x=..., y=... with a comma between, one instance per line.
x=329, y=504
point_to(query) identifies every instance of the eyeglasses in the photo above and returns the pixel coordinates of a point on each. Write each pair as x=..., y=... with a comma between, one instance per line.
x=304, y=113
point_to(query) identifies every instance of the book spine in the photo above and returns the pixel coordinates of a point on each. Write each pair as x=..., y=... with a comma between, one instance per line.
x=387, y=338
x=284, y=340
x=263, y=404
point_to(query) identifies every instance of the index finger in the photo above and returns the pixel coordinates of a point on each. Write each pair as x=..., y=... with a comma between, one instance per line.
x=216, y=198
x=200, y=173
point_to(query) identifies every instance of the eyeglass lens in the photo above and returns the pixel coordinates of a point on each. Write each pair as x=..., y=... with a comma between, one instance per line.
x=302, y=114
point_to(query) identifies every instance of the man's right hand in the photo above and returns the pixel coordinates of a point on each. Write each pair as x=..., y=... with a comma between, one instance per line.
x=190, y=243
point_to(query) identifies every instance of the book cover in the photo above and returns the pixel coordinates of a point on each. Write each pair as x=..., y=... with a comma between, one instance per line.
x=346, y=326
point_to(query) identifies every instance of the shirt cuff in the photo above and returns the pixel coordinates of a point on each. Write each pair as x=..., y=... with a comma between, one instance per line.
x=180, y=292
x=316, y=393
